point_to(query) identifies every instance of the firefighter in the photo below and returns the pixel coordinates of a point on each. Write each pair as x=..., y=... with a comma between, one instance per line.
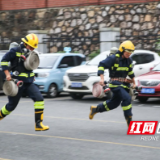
x=120, y=66
x=29, y=43
x=113, y=51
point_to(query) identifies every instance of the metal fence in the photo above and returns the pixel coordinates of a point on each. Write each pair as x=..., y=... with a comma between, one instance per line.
x=148, y=42
x=78, y=44
x=4, y=42
x=87, y=45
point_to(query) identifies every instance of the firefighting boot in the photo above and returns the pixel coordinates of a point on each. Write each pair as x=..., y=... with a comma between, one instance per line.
x=93, y=111
x=128, y=119
x=38, y=121
x=1, y=115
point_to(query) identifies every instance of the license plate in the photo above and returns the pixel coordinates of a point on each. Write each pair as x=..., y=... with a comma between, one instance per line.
x=148, y=90
x=78, y=85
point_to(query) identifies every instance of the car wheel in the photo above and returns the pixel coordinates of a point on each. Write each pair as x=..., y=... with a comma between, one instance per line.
x=52, y=91
x=76, y=95
x=142, y=99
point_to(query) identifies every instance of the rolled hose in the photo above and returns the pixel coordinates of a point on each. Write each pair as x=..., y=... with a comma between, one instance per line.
x=32, y=61
x=23, y=57
x=10, y=88
x=99, y=91
x=20, y=83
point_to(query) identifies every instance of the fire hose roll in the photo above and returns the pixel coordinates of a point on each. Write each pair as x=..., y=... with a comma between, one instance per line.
x=98, y=91
x=32, y=61
x=131, y=93
x=10, y=88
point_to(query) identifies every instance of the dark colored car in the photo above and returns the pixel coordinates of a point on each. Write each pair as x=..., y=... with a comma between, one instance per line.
x=2, y=75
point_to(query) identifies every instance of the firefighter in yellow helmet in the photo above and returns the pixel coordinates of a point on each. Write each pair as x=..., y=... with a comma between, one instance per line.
x=120, y=66
x=30, y=41
x=19, y=72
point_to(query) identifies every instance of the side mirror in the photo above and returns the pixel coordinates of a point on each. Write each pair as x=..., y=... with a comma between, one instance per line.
x=134, y=63
x=87, y=62
x=63, y=66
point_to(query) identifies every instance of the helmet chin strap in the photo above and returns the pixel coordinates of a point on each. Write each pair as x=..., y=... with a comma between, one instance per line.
x=25, y=50
x=123, y=49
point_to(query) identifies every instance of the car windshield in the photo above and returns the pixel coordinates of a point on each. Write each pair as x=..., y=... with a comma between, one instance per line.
x=156, y=68
x=1, y=55
x=3, y=51
x=47, y=62
x=95, y=61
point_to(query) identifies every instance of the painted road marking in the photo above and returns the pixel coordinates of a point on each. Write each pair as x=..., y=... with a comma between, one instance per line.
x=69, y=118
x=30, y=100
x=156, y=106
x=140, y=105
x=84, y=140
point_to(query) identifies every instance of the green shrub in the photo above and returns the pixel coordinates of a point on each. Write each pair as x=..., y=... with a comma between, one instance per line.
x=70, y=52
x=61, y=52
x=75, y=52
x=93, y=54
x=158, y=46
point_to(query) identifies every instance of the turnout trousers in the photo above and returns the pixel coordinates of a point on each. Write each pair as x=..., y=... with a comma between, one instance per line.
x=120, y=96
x=31, y=90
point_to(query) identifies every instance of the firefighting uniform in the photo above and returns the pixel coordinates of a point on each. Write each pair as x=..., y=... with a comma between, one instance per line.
x=13, y=56
x=117, y=69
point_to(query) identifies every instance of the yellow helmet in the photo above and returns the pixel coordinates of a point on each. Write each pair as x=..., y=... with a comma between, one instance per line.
x=127, y=46
x=31, y=40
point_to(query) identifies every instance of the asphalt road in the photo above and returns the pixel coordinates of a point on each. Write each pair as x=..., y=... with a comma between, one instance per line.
x=72, y=136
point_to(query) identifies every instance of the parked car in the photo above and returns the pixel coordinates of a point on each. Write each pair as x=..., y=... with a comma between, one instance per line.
x=145, y=61
x=49, y=75
x=79, y=80
x=150, y=83
x=2, y=75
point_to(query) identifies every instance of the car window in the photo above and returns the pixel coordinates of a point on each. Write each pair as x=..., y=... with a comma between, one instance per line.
x=47, y=62
x=69, y=60
x=79, y=60
x=0, y=59
x=1, y=55
x=143, y=58
x=136, y=58
x=3, y=51
x=97, y=59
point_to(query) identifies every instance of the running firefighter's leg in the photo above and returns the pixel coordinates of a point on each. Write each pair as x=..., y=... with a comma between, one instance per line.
x=11, y=105
x=106, y=105
x=127, y=106
x=34, y=93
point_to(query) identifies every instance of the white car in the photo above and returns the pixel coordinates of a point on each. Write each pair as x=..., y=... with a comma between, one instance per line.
x=79, y=80
x=145, y=61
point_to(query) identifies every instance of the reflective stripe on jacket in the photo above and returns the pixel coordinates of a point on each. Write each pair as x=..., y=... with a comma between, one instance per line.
x=122, y=69
x=13, y=56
